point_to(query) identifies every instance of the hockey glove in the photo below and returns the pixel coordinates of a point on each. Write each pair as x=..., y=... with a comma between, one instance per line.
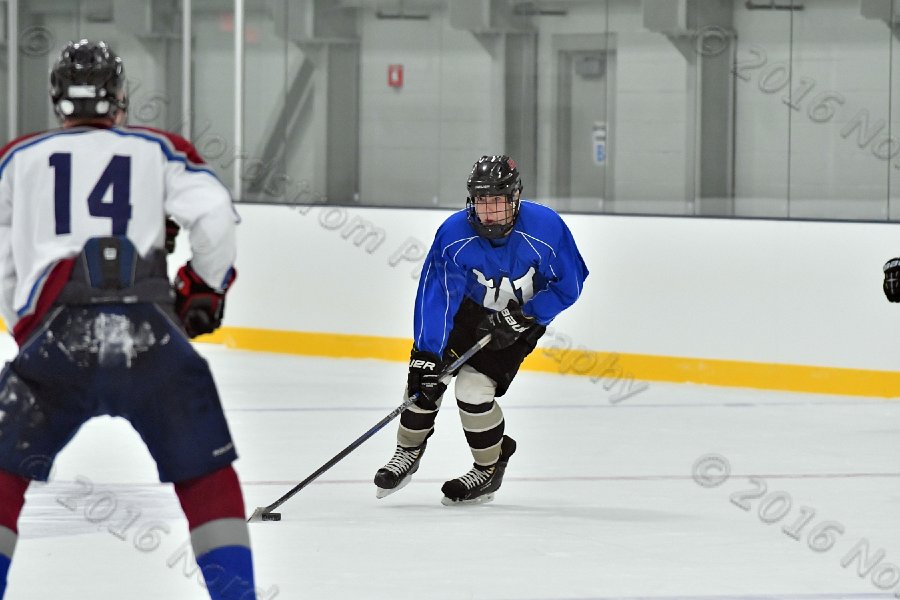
x=423, y=379
x=504, y=326
x=892, y=280
x=199, y=307
x=172, y=229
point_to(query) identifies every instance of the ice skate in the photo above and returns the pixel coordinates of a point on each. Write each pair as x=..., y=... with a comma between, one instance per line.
x=479, y=484
x=398, y=471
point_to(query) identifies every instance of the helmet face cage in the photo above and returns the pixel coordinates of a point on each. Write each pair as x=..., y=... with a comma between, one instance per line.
x=496, y=175
x=87, y=82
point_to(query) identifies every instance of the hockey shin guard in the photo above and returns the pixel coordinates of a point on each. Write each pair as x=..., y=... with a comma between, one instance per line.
x=416, y=425
x=483, y=425
x=481, y=417
x=12, y=498
x=214, y=508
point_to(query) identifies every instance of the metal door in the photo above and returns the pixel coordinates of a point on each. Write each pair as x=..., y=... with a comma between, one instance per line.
x=584, y=132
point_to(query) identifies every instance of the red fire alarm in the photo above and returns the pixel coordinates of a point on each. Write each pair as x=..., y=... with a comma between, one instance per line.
x=395, y=76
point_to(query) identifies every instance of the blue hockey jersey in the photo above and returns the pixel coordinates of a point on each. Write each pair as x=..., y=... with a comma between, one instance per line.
x=537, y=265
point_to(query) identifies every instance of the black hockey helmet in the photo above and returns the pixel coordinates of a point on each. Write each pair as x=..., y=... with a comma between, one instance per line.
x=496, y=175
x=88, y=82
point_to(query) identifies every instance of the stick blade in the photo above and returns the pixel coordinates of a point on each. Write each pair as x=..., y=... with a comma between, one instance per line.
x=260, y=514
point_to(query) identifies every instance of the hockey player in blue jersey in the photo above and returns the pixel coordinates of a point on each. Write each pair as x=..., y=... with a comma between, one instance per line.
x=502, y=266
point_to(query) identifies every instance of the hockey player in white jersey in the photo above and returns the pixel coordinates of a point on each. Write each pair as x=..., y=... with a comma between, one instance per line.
x=85, y=292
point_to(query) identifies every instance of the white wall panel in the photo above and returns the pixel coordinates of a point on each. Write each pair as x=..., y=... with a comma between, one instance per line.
x=446, y=101
x=766, y=291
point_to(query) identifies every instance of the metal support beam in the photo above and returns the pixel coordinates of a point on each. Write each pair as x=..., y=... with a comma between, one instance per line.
x=186, y=62
x=297, y=100
x=238, y=95
x=12, y=73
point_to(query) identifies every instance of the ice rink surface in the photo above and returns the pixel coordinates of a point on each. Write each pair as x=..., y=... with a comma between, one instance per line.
x=600, y=501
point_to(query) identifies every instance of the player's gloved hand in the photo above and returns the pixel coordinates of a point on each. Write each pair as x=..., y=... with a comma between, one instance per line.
x=172, y=229
x=199, y=306
x=504, y=326
x=892, y=280
x=424, y=371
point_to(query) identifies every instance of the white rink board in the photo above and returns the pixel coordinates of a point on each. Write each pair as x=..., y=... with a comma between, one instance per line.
x=768, y=291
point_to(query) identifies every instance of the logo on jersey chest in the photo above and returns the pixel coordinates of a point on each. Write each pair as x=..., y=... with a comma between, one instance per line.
x=497, y=294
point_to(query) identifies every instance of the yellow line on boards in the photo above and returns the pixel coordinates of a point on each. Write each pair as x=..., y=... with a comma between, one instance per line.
x=608, y=367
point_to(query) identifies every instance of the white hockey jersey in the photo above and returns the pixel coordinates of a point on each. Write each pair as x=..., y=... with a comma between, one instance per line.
x=61, y=187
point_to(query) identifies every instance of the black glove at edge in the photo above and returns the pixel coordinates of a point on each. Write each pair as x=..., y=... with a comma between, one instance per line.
x=891, y=284
x=423, y=379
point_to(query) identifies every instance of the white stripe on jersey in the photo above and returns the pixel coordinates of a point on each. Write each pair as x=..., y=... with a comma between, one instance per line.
x=464, y=240
x=531, y=237
x=421, y=307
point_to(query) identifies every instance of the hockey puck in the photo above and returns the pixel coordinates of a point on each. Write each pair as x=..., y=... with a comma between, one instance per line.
x=271, y=516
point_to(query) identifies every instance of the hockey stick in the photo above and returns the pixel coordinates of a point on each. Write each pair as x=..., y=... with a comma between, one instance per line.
x=264, y=513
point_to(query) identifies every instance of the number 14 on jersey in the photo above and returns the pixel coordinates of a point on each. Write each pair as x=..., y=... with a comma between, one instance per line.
x=115, y=177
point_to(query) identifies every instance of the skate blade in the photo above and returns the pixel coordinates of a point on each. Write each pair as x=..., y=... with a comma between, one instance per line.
x=383, y=492
x=479, y=500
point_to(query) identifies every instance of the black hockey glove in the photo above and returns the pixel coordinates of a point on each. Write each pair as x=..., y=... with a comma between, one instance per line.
x=504, y=326
x=172, y=229
x=199, y=307
x=892, y=280
x=424, y=371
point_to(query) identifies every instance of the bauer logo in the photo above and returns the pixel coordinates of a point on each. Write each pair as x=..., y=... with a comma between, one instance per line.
x=422, y=364
x=511, y=320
